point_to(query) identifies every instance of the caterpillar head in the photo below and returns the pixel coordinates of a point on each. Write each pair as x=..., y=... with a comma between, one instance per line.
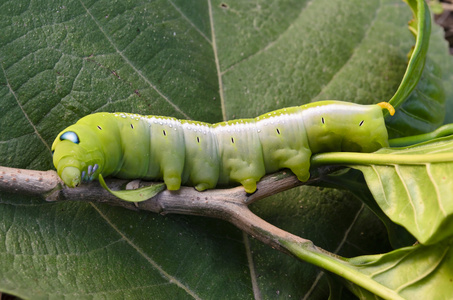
x=77, y=155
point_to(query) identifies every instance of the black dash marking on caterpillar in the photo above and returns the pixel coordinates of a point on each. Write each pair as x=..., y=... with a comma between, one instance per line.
x=323, y=121
x=278, y=131
x=361, y=122
x=198, y=140
x=163, y=131
x=99, y=127
x=132, y=126
x=232, y=140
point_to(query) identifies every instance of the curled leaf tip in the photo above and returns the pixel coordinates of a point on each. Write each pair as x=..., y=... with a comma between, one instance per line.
x=387, y=106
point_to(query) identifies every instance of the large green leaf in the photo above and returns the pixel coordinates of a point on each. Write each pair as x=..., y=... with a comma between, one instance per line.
x=203, y=60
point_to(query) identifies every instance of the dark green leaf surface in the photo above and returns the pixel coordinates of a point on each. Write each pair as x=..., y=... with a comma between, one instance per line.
x=201, y=60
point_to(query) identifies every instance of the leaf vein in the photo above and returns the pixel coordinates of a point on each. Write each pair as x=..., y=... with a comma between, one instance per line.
x=22, y=109
x=251, y=264
x=378, y=175
x=216, y=59
x=409, y=197
x=354, y=52
x=356, y=217
x=378, y=272
x=426, y=273
x=266, y=47
x=436, y=188
x=121, y=54
x=140, y=251
x=190, y=22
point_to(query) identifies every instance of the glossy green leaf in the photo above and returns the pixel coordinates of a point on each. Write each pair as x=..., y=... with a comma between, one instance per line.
x=412, y=185
x=416, y=194
x=201, y=60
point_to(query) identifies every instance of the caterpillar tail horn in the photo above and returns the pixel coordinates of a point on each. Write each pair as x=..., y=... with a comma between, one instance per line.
x=388, y=107
x=136, y=195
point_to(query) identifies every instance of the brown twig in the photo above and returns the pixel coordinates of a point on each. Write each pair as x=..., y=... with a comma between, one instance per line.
x=227, y=204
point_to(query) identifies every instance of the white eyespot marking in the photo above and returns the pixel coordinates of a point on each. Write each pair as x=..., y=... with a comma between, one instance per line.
x=70, y=136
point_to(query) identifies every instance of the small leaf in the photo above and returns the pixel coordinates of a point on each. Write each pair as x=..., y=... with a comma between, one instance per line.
x=136, y=195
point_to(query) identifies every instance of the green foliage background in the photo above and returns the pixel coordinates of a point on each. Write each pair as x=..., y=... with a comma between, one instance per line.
x=201, y=60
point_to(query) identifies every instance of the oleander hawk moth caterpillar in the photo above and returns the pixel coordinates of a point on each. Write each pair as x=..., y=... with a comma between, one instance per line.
x=203, y=155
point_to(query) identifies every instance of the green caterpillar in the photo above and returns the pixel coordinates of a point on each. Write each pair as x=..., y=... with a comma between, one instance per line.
x=203, y=155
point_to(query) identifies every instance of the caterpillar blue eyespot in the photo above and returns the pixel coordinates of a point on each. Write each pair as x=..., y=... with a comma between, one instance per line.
x=206, y=155
x=70, y=136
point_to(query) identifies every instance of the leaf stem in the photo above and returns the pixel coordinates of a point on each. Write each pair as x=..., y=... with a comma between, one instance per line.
x=420, y=138
x=353, y=158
